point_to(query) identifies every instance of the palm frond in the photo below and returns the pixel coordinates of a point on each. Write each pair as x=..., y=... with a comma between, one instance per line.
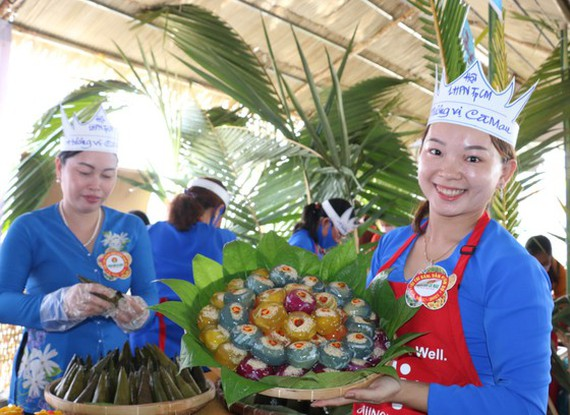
x=222, y=57
x=442, y=26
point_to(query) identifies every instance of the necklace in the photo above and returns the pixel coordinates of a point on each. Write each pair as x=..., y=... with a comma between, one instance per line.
x=432, y=261
x=93, y=235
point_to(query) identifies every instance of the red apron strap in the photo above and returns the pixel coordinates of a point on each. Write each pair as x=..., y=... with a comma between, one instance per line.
x=468, y=249
x=161, y=327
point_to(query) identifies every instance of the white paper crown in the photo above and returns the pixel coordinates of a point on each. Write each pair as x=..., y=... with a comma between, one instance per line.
x=471, y=101
x=344, y=223
x=212, y=187
x=97, y=134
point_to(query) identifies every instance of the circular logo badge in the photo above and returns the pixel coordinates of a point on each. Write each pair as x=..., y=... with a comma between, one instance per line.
x=115, y=265
x=429, y=288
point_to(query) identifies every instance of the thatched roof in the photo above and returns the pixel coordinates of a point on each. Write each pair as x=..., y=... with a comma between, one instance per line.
x=386, y=41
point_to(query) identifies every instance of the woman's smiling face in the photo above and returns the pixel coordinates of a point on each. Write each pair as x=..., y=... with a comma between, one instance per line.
x=459, y=169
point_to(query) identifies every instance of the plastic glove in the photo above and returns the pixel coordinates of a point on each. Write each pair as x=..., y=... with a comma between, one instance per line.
x=131, y=313
x=69, y=306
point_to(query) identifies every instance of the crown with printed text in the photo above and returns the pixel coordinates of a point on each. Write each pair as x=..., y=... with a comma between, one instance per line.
x=471, y=101
x=97, y=134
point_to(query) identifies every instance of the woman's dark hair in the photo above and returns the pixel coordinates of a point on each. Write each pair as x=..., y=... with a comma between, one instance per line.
x=312, y=213
x=66, y=155
x=187, y=207
x=63, y=156
x=141, y=215
x=506, y=151
x=538, y=244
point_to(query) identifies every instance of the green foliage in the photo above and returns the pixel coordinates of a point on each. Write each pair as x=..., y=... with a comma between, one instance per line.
x=353, y=152
x=442, y=27
x=342, y=263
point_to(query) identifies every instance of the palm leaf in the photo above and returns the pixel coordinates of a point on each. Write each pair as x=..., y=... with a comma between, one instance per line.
x=446, y=19
x=222, y=58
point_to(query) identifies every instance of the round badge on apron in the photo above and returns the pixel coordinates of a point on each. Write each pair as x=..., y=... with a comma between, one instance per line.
x=429, y=288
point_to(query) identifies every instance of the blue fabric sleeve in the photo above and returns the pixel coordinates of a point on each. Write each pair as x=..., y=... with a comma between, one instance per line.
x=16, y=256
x=302, y=239
x=517, y=323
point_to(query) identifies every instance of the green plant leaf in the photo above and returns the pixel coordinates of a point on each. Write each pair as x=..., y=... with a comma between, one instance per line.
x=393, y=313
x=239, y=257
x=207, y=272
x=193, y=353
x=184, y=289
x=274, y=250
x=336, y=259
x=176, y=311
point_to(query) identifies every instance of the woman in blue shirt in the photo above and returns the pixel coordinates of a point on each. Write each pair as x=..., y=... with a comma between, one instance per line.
x=46, y=251
x=322, y=226
x=483, y=302
x=192, y=228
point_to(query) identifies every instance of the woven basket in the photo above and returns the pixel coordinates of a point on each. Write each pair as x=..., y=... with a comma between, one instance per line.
x=315, y=394
x=180, y=407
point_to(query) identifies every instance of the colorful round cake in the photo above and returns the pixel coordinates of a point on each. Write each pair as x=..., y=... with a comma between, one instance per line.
x=269, y=351
x=316, y=285
x=229, y=355
x=282, y=275
x=300, y=326
x=245, y=336
x=358, y=307
x=302, y=354
x=244, y=296
x=258, y=283
x=269, y=316
x=341, y=291
x=232, y=315
x=335, y=355
x=208, y=316
x=360, y=344
x=300, y=300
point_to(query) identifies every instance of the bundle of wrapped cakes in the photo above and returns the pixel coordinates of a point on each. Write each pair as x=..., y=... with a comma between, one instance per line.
x=276, y=322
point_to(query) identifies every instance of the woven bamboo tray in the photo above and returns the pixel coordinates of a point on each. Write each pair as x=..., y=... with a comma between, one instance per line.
x=315, y=394
x=180, y=407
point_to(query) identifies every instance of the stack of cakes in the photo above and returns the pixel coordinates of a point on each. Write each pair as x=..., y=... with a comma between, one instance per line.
x=277, y=323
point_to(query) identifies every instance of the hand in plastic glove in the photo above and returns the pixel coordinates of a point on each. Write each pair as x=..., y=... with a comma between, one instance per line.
x=82, y=301
x=131, y=313
x=69, y=306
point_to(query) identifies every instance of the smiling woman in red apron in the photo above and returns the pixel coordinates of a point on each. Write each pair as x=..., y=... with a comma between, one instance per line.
x=483, y=302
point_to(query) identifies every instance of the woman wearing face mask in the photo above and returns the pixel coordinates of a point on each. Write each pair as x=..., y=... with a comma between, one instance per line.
x=193, y=228
x=485, y=310
x=47, y=251
x=322, y=226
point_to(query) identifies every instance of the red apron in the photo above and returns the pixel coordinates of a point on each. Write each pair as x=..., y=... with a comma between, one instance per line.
x=441, y=355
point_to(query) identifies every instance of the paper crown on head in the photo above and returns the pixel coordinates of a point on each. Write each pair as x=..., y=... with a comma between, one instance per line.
x=97, y=134
x=212, y=187
x=344, y=223
x=471, y=101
